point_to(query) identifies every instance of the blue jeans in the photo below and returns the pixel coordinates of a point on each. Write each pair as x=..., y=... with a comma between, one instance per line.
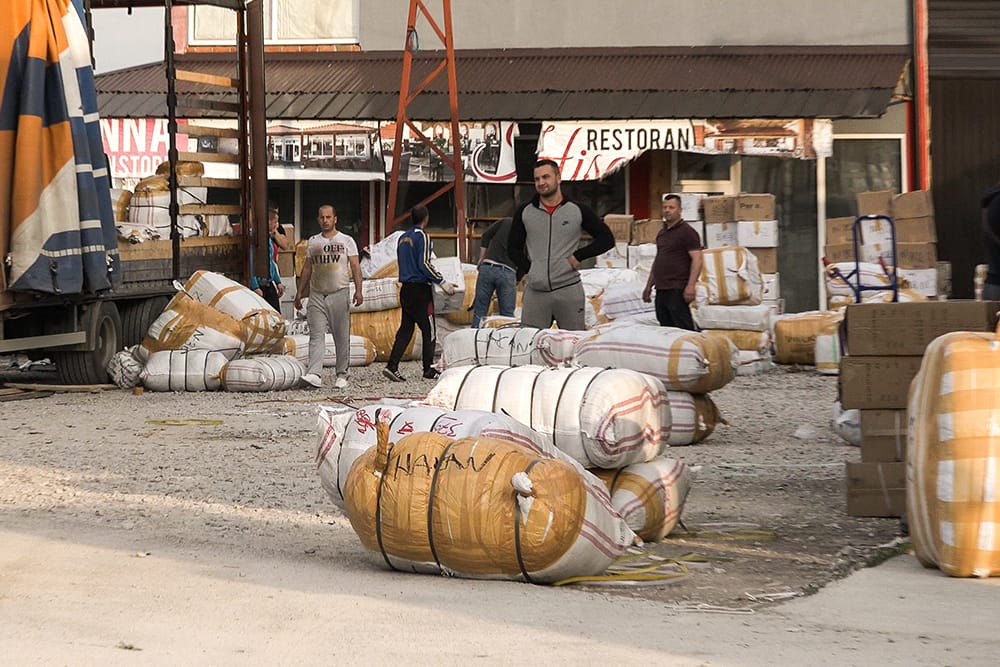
x=493, y=278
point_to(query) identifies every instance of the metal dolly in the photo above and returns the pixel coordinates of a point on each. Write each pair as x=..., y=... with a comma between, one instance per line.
x=853, y=279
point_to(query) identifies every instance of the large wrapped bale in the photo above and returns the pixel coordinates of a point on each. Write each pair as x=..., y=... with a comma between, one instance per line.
x=149, y=206
x=623, y=300
x=380, y=261
x=463, y=315
x=483, y=508
x=512, y=346
x=828, y=348
x=602, y=418
x=362, y=352
x=903, y=295
x=380, y=328
x=754, y=341
x=124, y=369
x=275, y=373
x=952, y=462
x=343, y=435
x=731, y=277
x=795, y=335
x=693, y=418
x=682, y=360
x=186, y=324
x=750, y=318
x=649, y=496
x=840, y=277
x=264, y=327
x=377, y=294
x=183, y=370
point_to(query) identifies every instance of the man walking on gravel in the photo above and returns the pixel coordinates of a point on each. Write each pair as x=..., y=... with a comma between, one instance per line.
x=676, y=268
x=544, y=243
x=331, y=263
x=416, y=296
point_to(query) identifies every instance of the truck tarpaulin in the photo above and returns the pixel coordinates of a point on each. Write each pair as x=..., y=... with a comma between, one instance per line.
x=57, y=230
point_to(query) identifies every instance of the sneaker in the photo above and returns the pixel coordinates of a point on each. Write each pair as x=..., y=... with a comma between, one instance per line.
x=340, y=383
x=313, y=380
x=393, y=375
x=432, y=374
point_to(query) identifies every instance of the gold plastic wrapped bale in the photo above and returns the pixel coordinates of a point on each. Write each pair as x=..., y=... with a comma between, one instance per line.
x=953, y=455
x=795, y=336
x=649, y=496
x=480, y=508
x=186, y=324
x=264, y=327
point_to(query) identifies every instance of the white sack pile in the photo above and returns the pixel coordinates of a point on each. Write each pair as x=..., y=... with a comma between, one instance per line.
x=510, y=346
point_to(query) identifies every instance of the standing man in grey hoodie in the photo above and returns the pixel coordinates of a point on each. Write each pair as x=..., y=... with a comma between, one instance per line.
x=544, y=242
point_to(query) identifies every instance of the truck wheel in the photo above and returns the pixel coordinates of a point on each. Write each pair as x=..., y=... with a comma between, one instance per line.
x=90, y=367
x=138, y=315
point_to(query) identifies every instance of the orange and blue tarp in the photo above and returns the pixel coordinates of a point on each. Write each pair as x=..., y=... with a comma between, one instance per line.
x=57, y=229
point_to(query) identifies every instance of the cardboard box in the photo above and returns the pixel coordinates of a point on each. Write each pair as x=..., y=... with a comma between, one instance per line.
x=875, y=203
x=839, y=252
x=876, y=489
x=839, y=230
x=754, y=207
x=720, y=208
x=757, y=233
x=915, y=230
x=876, y=382
x=720, y=234
x=905, y=329
x=916, y=255
x=286, y=263
x=645, y=231
x=923, y=281
x=916, y=204
x=767, y=259
x=883, y=435
x=621, y=226
x=944, y=279
x=691, y=205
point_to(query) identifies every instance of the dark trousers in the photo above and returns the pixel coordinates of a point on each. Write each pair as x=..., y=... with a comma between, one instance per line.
x=672, y=310
x=416, y=300
x=270, y=294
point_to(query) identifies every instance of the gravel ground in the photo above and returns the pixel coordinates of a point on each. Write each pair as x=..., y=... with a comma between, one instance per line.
x=220, y=472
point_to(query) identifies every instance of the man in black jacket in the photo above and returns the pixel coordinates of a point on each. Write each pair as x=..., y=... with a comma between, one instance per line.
x=544, y=243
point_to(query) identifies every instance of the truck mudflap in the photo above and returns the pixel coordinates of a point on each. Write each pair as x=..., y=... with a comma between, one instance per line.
x=57, y=231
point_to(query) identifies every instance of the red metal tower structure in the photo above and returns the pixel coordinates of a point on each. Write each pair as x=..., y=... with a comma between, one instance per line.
x=407, y=94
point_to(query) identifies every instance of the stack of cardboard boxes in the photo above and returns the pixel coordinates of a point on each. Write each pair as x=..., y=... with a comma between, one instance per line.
x=885, y=346
x=912, y=214
x=746, y=220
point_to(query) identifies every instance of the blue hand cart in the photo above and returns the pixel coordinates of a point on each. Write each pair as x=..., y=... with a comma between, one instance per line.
x=854, y=277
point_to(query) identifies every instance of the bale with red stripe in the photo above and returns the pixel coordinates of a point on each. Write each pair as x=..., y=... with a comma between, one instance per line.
x=600, y=417
x=482, y=508
x=649, y=496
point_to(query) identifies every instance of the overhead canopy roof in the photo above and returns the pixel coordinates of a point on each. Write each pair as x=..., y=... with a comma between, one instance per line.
x=548, y=84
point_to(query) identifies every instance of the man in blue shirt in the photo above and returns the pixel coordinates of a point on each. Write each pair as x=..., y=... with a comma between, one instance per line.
x=416, y=296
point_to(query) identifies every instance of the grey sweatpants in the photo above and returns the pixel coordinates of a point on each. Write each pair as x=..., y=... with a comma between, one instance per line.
x=329, y=311
x=564, y=305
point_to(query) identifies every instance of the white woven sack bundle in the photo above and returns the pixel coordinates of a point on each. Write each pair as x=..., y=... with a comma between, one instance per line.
x=748, y=318
x=264, y=326
x=682, y=360
x=186, y=324
x=693, y=418
x=380, y=255
x=149, y=207
x=650, y=496
x=603, y=418
x=828, y=350
x=731, y=276
x=597, y=280
x=510, y=346
x=124, y=369
x=362, y=350
x=624, y=300
x=270, y=373
x=183, y=370
x=754, y=363
x=378, y=294
x=840, y=277
x=343, y=436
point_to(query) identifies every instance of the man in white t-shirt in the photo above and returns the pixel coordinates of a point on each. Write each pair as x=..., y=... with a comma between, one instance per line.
x=331, y=263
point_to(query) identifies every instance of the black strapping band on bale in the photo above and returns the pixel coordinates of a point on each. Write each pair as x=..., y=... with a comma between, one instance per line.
x=461, y=386
x=430, y=504
x=517, y=530
x=378, y=509
x=496, y=388
x=531, y=405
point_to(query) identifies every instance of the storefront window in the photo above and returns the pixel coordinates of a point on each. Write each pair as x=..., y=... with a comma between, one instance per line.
x=698, y=167
x=861, y=165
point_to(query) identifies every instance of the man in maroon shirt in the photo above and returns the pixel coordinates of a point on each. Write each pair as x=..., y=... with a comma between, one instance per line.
x=675, y=269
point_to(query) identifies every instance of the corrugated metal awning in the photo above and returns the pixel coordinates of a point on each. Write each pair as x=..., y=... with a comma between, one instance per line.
x=550, y=84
